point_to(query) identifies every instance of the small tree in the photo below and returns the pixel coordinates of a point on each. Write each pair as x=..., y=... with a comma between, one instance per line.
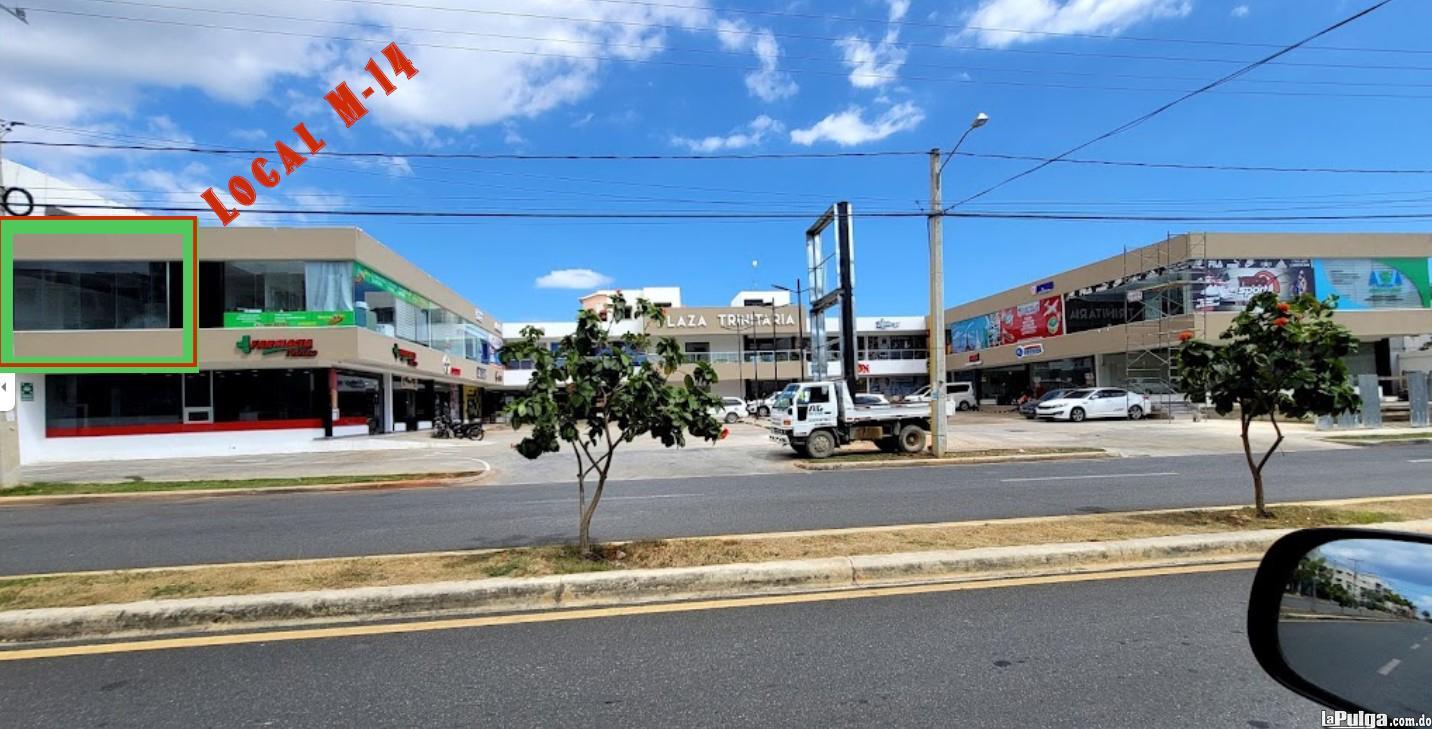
x=1277, y=359
x=596, y=392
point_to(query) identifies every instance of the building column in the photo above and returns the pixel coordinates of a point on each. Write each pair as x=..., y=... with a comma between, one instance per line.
x=9, y=448
x=388, y=402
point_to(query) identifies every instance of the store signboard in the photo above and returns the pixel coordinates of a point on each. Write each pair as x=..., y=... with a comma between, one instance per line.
x=1375, y=283
x=290, y=348
x=1228, y=284
x=362, y=275
x=1035, y=320
x=250, y=319
x=1033, y=349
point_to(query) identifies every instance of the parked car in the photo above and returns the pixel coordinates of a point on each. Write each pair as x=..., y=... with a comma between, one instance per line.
x=962, y=394
x=731, y=409
x=762, y=408
x=871, y=398
x=1027, y=408
x=1094, y=402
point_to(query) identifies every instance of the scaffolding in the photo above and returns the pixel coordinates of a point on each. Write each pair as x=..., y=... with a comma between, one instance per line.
x=1155, y=315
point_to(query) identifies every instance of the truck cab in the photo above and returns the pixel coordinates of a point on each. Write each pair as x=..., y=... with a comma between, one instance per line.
x=816, y=418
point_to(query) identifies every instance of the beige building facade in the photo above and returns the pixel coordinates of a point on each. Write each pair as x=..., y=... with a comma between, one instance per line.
x=1113, y=322
x=303, y=334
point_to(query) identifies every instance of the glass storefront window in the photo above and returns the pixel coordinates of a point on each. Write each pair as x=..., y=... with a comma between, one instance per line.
x=244, y=395
x=264, y=286
x=89, y=401
x=76, y=295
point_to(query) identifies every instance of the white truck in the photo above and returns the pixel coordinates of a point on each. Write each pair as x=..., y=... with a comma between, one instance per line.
x=815, y=418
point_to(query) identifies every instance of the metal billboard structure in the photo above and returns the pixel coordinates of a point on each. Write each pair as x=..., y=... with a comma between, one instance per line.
x=823, y=268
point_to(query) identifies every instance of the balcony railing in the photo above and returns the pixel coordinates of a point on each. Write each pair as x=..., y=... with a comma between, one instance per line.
x=780, y=355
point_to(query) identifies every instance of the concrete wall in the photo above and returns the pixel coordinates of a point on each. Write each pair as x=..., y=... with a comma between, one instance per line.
x=182, y=445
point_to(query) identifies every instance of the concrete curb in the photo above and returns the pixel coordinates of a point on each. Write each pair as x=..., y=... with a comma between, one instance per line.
x=60, y=499
x=915, y=462
x=627, y=587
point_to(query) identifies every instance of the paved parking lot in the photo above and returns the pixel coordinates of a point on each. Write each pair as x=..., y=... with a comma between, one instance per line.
x=745, y=451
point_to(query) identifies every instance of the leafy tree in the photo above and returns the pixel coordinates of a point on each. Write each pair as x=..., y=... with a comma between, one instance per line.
x=1278, y=359
x=597, y=391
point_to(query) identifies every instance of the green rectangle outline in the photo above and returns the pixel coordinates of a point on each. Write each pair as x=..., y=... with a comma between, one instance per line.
x=82, y=226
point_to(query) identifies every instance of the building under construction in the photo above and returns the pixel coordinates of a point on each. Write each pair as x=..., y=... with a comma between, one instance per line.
x=1114, y=322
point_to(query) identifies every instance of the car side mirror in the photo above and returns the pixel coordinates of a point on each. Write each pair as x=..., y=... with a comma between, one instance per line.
x=1344, y=617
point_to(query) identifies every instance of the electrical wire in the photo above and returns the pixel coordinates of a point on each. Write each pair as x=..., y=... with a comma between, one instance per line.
x=763, y=215
x=507, y=156
x=784, y=57
x=813, y=71
x=1165, y=107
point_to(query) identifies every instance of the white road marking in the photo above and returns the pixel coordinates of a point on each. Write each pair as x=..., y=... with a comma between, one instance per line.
x=1420, y=460
x=1080, y=478
x=1415, y=646
x=1390, y=665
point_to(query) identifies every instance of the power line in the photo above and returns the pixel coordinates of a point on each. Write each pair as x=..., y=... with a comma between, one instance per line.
x=823, y=17
x=733, y=53
x=762, y=215
x=813, y=71
x=733, y=156
x=1141, y=119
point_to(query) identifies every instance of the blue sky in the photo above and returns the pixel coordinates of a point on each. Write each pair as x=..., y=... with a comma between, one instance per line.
x=676, y=76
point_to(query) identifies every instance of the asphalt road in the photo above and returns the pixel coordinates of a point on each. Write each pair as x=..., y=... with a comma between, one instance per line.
x=1385, y=666
x=1122, y=653
x=229, y=529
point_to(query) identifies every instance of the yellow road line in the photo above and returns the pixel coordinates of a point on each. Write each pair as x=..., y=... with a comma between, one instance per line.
x=348, y=631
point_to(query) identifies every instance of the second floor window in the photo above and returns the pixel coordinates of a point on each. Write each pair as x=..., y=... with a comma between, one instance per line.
x=76, y=295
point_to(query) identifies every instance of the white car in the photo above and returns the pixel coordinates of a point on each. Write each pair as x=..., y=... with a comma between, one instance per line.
x=1094, y=402
x=730, y=410
x=962, y=394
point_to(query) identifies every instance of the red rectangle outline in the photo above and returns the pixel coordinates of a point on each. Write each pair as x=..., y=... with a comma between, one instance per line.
x=163, y=366
x=225, y=427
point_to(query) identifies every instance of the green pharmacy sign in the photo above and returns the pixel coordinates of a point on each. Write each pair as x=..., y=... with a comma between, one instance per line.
x=249, y=319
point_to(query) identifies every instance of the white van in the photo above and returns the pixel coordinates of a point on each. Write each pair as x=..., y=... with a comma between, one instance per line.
x=961, y=394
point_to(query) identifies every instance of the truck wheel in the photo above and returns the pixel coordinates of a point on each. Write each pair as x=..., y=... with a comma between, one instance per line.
x=820, y=444
x=963, y=406
x=912, y=439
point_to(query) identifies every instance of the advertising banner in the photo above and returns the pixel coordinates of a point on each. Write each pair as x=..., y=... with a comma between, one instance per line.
x=1375, y=283
x=362, y=275
x=1035, y=320
x=1228, y=284
x=246, y=319
x=972, y=335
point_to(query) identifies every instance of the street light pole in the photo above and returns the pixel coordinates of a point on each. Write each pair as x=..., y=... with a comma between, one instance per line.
x=800, y=325
x=938, y=160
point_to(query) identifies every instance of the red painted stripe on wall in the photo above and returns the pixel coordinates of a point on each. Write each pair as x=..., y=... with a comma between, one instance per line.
x=161, y=428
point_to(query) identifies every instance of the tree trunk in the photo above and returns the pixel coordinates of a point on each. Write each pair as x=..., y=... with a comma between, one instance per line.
x=584, y=542
x=1255, y=468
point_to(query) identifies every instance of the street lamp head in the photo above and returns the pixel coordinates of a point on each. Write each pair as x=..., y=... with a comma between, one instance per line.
x=981, y=119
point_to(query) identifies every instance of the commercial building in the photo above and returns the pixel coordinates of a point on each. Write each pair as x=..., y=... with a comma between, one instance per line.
x=758, y=344
x=304, y=333
x=1114, y=322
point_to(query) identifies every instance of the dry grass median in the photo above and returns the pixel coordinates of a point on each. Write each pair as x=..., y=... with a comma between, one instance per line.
x=93, y=588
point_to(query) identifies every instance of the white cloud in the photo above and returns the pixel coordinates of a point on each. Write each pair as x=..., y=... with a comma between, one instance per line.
x=873, y=65
x=750, y=135
x=849, y=128
x=62, y=69
x=995, y=23
x=1240, y=11
x=573, y=278
x=767, y=83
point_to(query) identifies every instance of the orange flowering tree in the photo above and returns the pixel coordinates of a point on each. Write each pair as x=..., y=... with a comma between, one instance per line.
x=1278, y=359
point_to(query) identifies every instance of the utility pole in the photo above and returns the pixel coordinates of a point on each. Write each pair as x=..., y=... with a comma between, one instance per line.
x=937, y=287
x=937, y=309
